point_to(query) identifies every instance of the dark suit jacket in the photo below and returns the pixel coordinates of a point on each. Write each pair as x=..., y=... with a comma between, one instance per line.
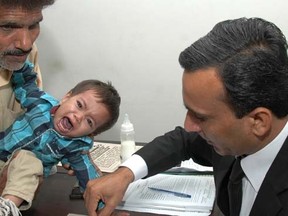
x=169, y=150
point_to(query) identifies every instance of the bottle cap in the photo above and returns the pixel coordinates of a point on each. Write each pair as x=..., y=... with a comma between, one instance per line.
x=127, y=126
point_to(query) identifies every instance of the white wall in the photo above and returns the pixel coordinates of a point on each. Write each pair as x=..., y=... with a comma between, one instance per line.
x=135, y=44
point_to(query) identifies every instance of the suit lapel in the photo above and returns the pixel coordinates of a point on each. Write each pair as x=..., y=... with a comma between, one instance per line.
x=274, y=188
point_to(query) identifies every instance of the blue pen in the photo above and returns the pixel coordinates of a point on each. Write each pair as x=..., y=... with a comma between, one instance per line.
x=171, y=192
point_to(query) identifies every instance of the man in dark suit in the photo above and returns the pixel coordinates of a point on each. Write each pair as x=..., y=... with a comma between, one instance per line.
x=235, y=89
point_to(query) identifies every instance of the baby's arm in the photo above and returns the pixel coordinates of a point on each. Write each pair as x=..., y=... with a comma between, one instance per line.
x=24, y=85
x=85, y=169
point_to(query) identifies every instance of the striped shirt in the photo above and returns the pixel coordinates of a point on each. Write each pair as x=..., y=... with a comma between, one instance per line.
x=34, y=131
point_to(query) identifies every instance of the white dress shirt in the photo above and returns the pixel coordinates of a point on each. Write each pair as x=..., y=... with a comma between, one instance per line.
x=255, y=167
x=137, y=165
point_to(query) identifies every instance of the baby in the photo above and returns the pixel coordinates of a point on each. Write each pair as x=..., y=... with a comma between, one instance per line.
x=51, y=131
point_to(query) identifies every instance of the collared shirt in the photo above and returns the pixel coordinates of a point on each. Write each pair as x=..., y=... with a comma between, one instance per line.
x=34, y=131
x=260, y=161
x=9, y=107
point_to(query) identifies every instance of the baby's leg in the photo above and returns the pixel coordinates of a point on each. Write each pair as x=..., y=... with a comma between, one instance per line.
x=24, y=173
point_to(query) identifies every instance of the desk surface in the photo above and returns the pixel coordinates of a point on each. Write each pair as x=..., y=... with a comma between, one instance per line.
x=53, y=198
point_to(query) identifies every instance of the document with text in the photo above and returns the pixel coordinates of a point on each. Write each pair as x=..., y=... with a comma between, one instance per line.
x=189, y=166
x=107, y=156
x=201, y=188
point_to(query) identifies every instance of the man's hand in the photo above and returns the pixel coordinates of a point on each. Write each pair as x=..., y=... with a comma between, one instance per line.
x=110, y=189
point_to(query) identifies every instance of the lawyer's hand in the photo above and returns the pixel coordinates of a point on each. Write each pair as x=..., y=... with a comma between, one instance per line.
x=110, y=189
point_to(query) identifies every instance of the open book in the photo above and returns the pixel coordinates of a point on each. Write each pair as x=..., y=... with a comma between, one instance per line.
x=200, y=187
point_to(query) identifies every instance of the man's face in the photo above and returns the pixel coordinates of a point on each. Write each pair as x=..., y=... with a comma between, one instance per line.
x=80, y=115
x=18, y=31
x=209, y=115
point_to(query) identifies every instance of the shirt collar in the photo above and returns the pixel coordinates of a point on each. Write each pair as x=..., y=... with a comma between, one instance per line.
x=5, y=76
x=256, y=166
x=53, y=110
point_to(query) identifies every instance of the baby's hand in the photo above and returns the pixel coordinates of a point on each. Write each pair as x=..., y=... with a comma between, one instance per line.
x=70, y=171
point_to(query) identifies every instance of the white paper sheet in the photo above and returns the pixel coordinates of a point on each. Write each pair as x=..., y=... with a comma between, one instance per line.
x=201, y=189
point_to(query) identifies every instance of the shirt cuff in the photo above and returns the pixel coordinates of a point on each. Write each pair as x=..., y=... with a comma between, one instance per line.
x=137, y=165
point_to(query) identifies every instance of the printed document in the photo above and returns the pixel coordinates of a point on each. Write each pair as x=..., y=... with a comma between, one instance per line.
x=190, y=167
x=107, y=156
x=200, y=187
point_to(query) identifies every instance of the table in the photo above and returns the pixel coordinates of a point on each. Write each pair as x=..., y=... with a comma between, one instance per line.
x=53, y=198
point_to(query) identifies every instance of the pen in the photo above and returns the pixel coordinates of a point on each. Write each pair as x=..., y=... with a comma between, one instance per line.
x=171, y=192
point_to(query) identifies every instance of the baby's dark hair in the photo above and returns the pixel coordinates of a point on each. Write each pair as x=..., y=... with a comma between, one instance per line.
x=107, y=95
x=26, y=4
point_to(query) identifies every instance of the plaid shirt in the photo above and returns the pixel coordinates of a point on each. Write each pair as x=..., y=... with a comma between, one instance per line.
x=34, y=131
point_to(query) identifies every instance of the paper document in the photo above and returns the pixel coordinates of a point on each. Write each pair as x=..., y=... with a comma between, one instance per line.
x=107, y=156
x=71, y=214
x=164, y=212
x=189, y=166
x=201, y=189
x=158, y=212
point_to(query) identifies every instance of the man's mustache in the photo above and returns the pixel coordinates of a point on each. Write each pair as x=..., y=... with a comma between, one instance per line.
x=17, y=52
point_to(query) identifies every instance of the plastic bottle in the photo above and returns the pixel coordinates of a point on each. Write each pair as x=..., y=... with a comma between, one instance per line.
x=127, y=139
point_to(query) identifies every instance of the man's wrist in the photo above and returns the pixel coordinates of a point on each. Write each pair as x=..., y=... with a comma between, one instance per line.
x=137, y=166
x=126, y=173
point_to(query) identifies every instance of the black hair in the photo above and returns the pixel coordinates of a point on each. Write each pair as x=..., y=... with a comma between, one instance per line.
x=26, y=4
x=106, y=94
x=250, y=55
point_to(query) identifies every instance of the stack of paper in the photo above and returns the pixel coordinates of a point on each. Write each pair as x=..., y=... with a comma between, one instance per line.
x=139, y=198
x=190, y=167
x=200, y=187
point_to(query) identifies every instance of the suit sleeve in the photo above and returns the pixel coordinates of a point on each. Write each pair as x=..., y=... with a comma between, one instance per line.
x=173, y=147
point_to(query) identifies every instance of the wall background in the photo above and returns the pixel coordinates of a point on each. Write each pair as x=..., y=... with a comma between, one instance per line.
x=135, y=44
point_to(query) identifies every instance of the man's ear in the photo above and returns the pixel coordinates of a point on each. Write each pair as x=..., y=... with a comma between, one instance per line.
x=261, y=120
x=68, y=95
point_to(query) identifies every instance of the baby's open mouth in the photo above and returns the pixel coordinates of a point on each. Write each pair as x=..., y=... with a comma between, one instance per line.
x=65, y=124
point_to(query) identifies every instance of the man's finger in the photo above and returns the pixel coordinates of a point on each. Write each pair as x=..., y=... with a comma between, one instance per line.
x=91, y=204
x=105, y=211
